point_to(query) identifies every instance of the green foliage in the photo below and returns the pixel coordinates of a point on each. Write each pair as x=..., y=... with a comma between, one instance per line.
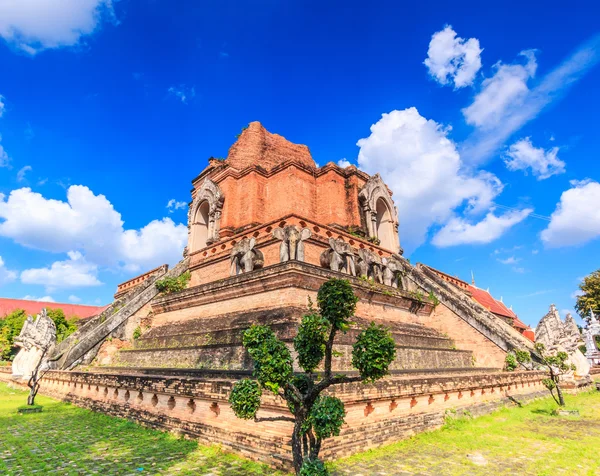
x=337, y=303
x=549, y=384
x=313, y=467
x=10, y=327
x=327, y=416
x=272, y=359
x=310, y=341
x=590, y=297
x=137, y=333
x=64, y=327
x=171, y=284
x=245, y=399
x=523, y=356
x=433, y=299
x=510, y=362
x=373, y=352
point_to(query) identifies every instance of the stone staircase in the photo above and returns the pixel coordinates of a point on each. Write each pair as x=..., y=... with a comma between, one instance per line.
x=83, y=344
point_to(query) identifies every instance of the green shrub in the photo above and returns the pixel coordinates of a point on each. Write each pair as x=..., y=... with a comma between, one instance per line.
x=171, y=284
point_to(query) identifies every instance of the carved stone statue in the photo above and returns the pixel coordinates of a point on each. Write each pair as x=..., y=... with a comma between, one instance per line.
x=35, y=339
x=559, y=336
x=392, y=271
x=591, y=331
x=339, y=257
x=245, y=258
x=370, y=265
x=292, y=242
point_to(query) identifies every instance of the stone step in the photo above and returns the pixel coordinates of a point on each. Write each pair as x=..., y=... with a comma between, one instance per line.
x=234, y=357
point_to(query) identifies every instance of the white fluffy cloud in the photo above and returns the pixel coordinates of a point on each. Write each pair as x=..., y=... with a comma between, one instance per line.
x=424, y=170
x=75, y=272
x=459, y=231
x=88, y=223
x=576, y=219
x=173, y=205
x=6, y=275
x=343, y=163
x=35, y=25
x=506, y=103
x=39, y=299
x=522, y=155
x=451, y=59
x=505, y=91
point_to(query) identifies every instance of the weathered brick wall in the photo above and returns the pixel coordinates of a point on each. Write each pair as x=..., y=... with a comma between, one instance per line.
x=376, y=414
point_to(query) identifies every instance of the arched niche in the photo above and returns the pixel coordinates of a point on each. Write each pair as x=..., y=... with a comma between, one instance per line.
x=204, y=216
x=380, y=214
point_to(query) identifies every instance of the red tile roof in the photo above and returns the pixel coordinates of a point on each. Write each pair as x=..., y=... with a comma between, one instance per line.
x=487, y=300
x=34, y=307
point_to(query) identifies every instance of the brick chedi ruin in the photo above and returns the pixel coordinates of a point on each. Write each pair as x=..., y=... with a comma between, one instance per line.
x=267, y=227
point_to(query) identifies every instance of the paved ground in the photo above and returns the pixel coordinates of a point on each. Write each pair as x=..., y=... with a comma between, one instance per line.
x=66, y=440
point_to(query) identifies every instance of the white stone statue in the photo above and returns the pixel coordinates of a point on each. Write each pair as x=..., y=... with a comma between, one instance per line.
x=559, y=336
x=591, y=331
x=35, y=339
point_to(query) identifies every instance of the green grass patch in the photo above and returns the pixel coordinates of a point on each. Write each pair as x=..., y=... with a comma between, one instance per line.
x=525, y=441
x=65, y=439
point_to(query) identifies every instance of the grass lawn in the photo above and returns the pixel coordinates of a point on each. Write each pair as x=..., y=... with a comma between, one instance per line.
x=511, y=441
x=67, y=440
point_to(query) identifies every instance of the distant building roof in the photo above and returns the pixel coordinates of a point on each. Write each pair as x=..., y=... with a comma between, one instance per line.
x=34, y=307
x=490, y=303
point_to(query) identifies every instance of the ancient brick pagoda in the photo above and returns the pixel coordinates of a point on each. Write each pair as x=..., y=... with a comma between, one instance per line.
x=267, y=227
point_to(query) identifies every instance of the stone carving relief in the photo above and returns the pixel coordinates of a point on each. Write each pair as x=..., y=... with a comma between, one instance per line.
x=292, y=242
x=559, y=336
x=204, y=216
x=370, y=265
x=392, y=271
x=35, y=339
x=339, y=257
x=380, y=213
x=246, y=258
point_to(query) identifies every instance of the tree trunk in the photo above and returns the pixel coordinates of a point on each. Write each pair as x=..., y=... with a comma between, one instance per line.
x=297, y=444
x=561, y=399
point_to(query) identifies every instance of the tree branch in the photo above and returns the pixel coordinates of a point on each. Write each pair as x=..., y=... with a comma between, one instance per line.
x=333, y=380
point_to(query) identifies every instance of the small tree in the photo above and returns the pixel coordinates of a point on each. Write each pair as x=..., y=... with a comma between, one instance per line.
x=554, y=364
x=590, y=295
x=315, y=416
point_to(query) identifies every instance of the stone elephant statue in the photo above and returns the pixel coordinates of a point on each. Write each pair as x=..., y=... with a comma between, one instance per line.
x=292, y=242
x=339, y=257
x=245, y=258
x=392, y=271
x=370, y=265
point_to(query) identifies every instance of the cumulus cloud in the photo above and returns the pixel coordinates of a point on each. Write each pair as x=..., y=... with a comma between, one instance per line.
x=424, y=170
x=504, y=91
x=522, y=155
x=21, y=173
x=39, y=299
x=75, y=272
x=451, y=59
x=506, y=102
x=343, y=163
x=88, y=223
x=35, y=25
x=6, y=275
x=173, y=205
x=460, y=231
x=576, y=219
x=182, y=92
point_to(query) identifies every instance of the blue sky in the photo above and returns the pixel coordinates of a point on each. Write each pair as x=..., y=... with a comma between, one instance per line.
x=482, y=119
